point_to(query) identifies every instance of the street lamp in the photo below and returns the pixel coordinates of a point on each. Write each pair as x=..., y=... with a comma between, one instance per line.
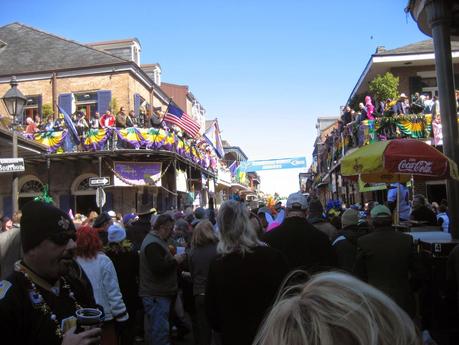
x=15, y=102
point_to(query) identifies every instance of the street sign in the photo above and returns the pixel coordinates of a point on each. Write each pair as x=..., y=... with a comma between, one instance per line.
x=99, y=181
x=100, y=197
x=11, y=165
x=271, y=164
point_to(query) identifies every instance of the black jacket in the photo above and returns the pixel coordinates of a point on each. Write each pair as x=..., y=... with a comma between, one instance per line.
x=126, y=262
x=345, y=246
x=21, y=319
x=303, y=245
x=240, y=290
x=387, y=260
x=199, y=262
x=137, y=231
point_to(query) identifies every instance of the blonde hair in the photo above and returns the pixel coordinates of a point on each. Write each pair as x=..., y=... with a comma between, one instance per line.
x=236, y=229
x=203, y=234
x=336, y=308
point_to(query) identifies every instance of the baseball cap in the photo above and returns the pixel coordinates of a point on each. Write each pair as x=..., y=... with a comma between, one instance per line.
x=380, y=211
x=297, y=201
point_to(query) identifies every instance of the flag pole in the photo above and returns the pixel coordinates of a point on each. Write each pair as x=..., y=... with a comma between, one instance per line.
x=162, y=120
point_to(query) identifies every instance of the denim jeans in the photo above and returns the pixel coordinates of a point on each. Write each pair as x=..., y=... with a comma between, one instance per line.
x=157, y=309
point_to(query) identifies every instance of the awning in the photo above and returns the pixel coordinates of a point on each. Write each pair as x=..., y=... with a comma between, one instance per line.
x=239, y=186
x=223, y=183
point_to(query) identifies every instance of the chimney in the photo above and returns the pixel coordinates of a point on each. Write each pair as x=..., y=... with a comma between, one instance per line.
x=380, y=49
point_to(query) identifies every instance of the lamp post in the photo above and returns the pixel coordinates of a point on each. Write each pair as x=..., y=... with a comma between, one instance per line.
x=15, y=102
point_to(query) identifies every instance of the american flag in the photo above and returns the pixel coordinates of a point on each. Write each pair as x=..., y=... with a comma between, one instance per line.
x=178, y=117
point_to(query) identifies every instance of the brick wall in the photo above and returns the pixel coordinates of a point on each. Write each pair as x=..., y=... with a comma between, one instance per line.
x=123, y=86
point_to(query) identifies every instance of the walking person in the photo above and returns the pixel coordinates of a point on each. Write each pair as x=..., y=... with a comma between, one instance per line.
x=243, y=280
x=203, y=251
x=101, y=272
x=304, y=246
x=158, y=280
x=126, y=262
x=387, y=259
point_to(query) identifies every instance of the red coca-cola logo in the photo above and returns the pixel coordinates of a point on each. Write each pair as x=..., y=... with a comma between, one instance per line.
x=414, y=166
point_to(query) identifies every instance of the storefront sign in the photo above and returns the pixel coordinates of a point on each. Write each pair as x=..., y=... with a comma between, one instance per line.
x=137, y=174
x=10, y=165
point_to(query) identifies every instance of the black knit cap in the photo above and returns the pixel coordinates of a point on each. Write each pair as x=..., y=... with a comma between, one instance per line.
x=101, y=219
x=41, y=221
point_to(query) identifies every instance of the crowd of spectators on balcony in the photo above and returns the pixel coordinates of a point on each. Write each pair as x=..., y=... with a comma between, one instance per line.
x=357, y=127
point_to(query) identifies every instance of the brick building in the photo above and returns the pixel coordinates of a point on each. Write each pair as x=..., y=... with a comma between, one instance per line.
x=91, y=78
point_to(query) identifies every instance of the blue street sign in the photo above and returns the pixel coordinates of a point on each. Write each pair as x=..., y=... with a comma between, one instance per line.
x=271, y=164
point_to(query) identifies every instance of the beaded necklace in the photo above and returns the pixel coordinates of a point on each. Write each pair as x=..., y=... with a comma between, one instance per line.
x=45, y=308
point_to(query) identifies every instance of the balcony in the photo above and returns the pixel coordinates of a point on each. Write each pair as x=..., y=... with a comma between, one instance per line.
x=132, y=138
x=345, y=138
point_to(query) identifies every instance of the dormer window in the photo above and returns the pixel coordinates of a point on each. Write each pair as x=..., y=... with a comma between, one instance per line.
x=157, y=76
x=136, y=55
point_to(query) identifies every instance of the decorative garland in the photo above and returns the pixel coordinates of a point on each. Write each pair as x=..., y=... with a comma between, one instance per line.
x=96, y=138
x=149, y=138
x=52, y=139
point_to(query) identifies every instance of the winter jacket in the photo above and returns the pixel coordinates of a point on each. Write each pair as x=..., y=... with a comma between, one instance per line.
x=345, y=246
x=304, y=246
x=104, y=281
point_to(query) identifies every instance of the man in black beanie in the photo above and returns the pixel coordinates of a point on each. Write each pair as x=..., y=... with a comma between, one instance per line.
x=39, y=299
x=101, y=224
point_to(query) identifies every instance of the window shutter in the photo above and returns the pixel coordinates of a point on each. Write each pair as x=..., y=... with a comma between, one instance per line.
x=136, y=104
x=40, y=104
x=65, y=102
x=64, y=202
x=108, y=201
x=7, y=205
x=104, y=98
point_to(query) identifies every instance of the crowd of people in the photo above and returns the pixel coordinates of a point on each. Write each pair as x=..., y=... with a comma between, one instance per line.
x=83, y=121
x=290, y=274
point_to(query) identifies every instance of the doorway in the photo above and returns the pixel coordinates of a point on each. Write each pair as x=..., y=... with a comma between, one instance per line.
x=436, y=192
x=84, y=204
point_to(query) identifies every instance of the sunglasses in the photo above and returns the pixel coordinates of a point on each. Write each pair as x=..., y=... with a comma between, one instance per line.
x=63, y=237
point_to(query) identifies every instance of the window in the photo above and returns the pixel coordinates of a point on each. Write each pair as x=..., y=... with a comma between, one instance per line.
x=86, y=102
x=32, y=186
x=32, y=106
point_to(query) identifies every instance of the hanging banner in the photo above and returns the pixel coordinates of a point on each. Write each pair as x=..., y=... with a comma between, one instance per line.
x=271, y=164
x=129, y=174
x=181, y=181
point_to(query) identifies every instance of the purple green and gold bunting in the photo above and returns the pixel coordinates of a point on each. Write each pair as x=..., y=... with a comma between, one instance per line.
x=130, y=135
x=96, y=138
x=52, y=139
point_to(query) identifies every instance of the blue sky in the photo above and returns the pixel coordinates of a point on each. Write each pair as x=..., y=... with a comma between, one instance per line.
x=265, y=69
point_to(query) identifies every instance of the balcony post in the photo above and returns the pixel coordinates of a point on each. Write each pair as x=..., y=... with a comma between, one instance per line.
x=440, y=20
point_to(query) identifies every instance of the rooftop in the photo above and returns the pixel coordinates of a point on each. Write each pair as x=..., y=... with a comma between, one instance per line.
x=29, y=50
x=423, y=47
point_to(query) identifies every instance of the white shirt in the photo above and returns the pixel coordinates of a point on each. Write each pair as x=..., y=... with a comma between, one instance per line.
x=445, y=224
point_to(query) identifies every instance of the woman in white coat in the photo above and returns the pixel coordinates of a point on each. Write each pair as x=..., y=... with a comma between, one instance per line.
x=101, y=272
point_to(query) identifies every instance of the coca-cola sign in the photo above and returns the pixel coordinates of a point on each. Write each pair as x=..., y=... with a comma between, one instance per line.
x=413, y=166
